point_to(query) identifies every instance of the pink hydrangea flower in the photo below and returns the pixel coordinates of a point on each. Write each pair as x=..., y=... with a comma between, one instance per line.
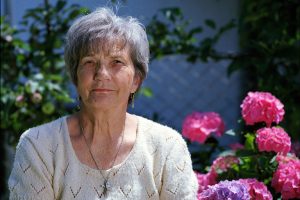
x=198, y=126
x=204, y=180
x=286, y=179
x=273, y=139
x=262, y=107
x=257, y=190
x=285, y=159
x=223, y=163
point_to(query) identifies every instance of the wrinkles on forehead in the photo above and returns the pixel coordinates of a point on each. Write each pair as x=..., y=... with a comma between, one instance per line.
x=113, y=47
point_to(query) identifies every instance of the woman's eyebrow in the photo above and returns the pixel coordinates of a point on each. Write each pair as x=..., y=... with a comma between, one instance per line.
x=117, y=56
x=88, y=55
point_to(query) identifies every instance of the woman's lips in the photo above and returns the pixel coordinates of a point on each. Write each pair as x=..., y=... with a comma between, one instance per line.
x=102, y=90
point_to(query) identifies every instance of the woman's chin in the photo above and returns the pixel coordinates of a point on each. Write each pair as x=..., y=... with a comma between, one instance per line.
x=100, y=104
x=103, y=103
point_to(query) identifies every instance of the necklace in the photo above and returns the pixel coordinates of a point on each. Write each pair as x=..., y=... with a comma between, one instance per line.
x=106, y=186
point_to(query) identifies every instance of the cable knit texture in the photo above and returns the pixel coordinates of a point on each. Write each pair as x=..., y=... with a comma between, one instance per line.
x=46, y=167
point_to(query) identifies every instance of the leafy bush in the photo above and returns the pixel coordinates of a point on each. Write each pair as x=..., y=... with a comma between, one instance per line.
x=263, y=162
x=269, y=57
x=33, y=82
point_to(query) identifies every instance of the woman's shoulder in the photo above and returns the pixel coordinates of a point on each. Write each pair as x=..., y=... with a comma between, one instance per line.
x=43, y=133
x=159, y=133
x=150, y=125
x=37, y=153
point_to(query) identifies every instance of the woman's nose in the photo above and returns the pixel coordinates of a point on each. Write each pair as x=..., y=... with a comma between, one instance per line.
x=102, y=72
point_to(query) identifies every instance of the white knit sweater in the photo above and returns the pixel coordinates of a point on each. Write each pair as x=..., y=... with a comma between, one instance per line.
x=46, y=167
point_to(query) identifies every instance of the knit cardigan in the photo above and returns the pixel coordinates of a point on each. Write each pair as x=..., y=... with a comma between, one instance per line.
x=46, y=167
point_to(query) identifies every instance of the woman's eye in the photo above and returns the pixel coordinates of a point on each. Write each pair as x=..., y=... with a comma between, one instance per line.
x=88, y=62
x=118, y=61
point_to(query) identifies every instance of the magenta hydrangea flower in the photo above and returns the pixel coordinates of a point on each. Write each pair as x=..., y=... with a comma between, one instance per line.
x=286, y=158
x=198, y=126
x=286, y=179
x=233, y=190
x=273, y=139
x=204, y=180
x=223, y=163
x=262, y=107
x=257, y=190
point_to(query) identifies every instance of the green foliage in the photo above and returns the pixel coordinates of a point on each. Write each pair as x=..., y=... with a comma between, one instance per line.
x=270, y=58
x=252, y=164
x=33, y=81
x=169, y=34
x=203, y=154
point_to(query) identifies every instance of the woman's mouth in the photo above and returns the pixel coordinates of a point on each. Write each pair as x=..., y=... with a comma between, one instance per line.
x=102, y=90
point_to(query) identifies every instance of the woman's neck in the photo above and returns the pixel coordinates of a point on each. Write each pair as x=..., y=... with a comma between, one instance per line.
x=102, y=126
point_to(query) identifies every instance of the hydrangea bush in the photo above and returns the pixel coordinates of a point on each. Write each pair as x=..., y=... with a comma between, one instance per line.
x=265, y=167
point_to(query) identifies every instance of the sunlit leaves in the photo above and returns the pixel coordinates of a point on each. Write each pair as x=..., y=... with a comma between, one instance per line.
x=33, y=79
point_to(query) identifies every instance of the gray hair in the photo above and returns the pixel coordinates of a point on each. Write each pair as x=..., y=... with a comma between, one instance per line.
x=101, y=28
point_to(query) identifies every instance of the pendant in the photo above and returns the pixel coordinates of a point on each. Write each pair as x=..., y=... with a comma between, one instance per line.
x=106, y=187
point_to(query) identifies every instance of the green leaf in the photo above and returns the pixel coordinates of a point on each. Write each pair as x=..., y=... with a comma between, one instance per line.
x=38, y=76
x=245, y=153
x=210, y=23
x=76, y=12
x=227, y=153
x=196, y=30
x=172, y=14
x=48, y=108
x=56, y=77
x=53, y=86
x=60, y=5
x=273, y=160
x=234, y=66
x=84, y=10
x=31, y=86
x=146, y=91
x=227, y=27
x=230, y=132
x=250, y=141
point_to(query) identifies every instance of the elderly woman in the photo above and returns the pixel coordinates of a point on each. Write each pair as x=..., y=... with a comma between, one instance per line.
x=103, y=152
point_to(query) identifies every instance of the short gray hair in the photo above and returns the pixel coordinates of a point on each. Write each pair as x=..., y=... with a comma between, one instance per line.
x=95, y=30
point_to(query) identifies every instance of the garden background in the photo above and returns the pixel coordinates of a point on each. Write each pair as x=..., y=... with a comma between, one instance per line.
x=205, y=56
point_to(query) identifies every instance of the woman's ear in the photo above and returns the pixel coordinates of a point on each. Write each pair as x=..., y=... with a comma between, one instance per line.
x=136, y=83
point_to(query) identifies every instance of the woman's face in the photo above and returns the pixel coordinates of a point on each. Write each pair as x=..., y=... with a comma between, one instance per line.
x=106, y=79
